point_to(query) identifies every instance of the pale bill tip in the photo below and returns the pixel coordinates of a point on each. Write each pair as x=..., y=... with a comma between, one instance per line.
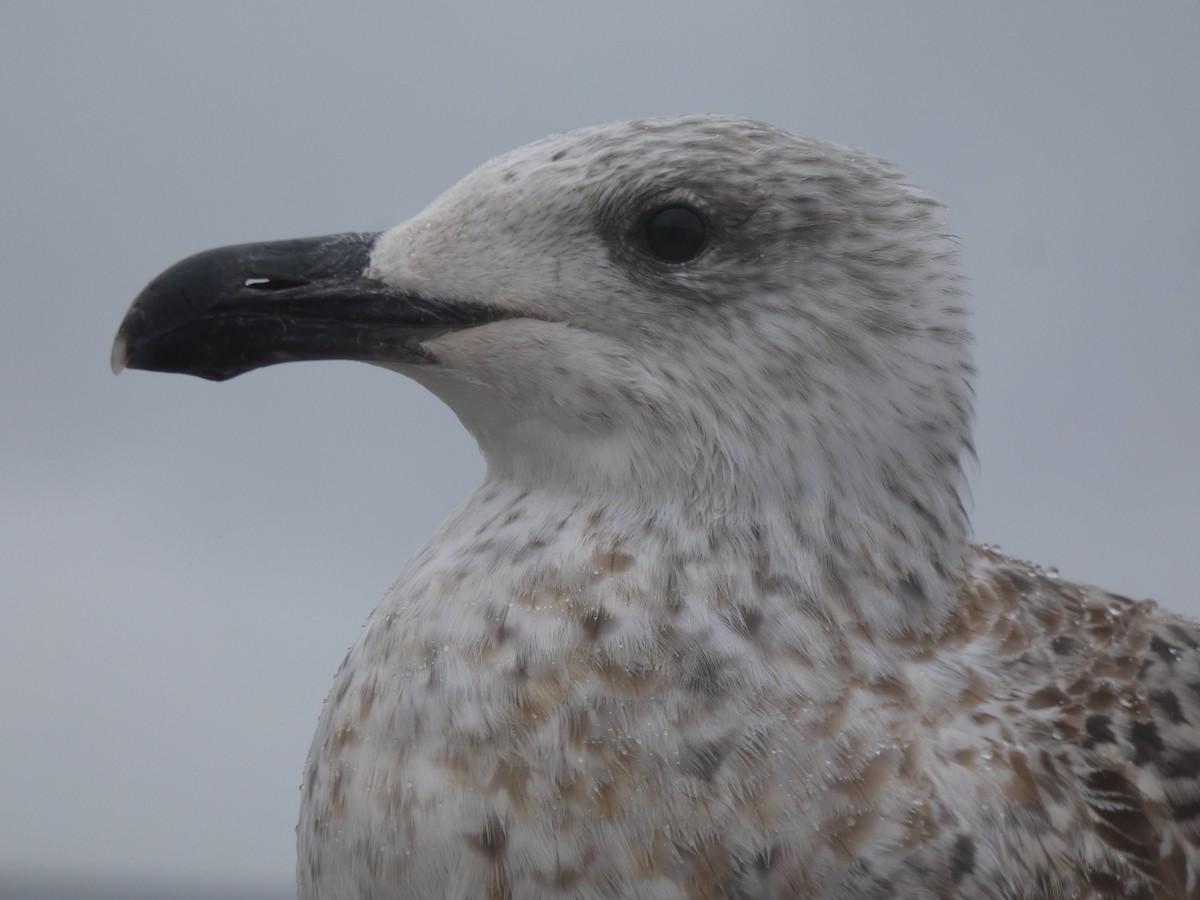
x=120, y=354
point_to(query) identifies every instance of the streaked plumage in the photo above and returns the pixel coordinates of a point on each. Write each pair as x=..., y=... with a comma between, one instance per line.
x=712, y=627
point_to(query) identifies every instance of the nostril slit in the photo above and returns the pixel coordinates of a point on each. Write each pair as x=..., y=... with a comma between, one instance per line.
x=257, y=283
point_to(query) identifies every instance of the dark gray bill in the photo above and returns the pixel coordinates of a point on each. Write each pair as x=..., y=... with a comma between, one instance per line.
x=226, y=311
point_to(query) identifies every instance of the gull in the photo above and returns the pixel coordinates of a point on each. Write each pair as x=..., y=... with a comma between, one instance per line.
x=713, y=625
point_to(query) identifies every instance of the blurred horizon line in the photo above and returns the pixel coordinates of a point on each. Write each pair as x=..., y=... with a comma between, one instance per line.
x=35, y=883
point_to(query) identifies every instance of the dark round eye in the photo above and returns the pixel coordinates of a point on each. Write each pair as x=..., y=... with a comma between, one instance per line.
x=676, y=233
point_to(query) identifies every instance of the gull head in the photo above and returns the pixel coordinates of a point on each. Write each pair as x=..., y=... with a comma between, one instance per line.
x=700, y=313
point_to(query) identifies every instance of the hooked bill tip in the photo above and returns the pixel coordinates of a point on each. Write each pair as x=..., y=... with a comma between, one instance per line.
x=120, y=354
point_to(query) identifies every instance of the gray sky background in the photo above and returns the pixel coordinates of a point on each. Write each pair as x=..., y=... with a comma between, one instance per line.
x=183, y=564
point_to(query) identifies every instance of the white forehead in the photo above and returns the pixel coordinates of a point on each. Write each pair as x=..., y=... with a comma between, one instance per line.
x=682, y=147
x=541, y=201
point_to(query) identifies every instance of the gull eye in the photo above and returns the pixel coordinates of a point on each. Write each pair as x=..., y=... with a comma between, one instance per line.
x=676, y=233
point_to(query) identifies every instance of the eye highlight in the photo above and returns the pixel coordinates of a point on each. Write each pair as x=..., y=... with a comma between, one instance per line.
x=676, y=233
